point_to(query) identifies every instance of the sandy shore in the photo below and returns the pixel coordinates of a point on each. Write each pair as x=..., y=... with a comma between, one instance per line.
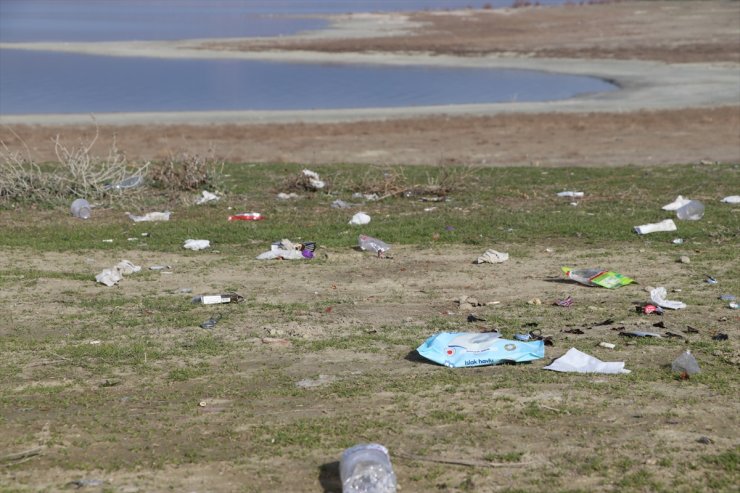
x=654, y=93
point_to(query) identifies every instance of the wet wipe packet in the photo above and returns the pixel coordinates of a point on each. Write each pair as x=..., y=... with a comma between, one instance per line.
x=463, y=349
x=597, y=277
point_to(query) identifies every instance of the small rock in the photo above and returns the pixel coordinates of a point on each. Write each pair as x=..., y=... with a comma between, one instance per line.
x=685, y=259
x=705, y=440
x=534, y=301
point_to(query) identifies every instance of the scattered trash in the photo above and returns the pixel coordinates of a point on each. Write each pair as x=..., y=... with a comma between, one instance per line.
x=370, y=244
x=579, y=362
x=720, y=337
x=492, y=257
x=110, y=277
x=565, y=302
x=674, y=336
x=247, y=216
x=314, y=181
x=677, y=241
x=366, y=468
x=597, y=277
x=465, y=349
x=649, y=308
x=82, y=483
x=734, y=305
x=573, y=331
x=666, y=225
x=80, y=208
x=340, y=204
x=474, y=318
x=569, y=193
x=693, y=210
x=676, y=204
x=535, y=335
x=130, y=182
x=287, y=250
x=691, y=330
x=185, y=290
x=639, y=333
x=288, y=196
x=607, y=345
x=686, y=364
x=108, y=241
x=731, y=199
x=207, y=197
x=359, y=219
x=660, y=325
x=159, y=267
x=197, y=244
x=213, y=299
x=150, y=216
x=705, y=440
x=658, y=295
x=727, y=297
x=711, y=280
x=522, y=337
x=211, y=322
x=608, y=321
x=202, y=404
x=371, y=197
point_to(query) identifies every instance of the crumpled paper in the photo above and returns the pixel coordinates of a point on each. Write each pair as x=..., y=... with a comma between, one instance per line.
x=492, y=257
x=151, y=216
x=286, y=250
x=666, y=225
x=196, y=244
x=676, y=204
x=658, y=295
x=575, y=361
x=110, y=277
x=359, y=219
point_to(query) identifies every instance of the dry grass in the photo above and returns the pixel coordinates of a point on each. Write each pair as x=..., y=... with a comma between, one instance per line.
x=187, y=173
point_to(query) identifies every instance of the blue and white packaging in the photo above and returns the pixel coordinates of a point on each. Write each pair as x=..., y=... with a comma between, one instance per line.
x=463, y=349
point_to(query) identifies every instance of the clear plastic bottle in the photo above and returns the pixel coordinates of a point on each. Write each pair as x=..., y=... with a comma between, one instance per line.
x=368, y=243
x=213, y=299
x=693, y=210
x=366, y=468
x=80, y=208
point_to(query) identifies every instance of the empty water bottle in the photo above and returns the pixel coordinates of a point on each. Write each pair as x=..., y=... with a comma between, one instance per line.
x=366, y=468
x=80, y=208
x=213, y=299
x=686, y=363
x=370, y=244
x=693, y=210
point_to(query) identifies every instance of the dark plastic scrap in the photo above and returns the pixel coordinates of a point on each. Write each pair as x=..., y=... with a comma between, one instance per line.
x=211, y=322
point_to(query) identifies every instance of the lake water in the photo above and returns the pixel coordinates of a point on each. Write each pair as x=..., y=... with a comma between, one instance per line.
x=34, y=82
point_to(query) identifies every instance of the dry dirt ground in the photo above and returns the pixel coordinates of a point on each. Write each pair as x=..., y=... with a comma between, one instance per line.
x=670, y=32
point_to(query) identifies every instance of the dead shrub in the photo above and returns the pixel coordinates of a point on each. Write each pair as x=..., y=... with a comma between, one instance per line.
x=187, y=173
x=395, y=183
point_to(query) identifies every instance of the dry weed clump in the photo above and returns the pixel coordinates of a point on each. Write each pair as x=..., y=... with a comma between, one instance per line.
x=305, y=181
x=187, y=173
x=78, y=173
x=395, y=183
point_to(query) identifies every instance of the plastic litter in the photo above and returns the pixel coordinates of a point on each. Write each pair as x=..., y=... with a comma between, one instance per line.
x=649, y=308
x=666, y=225
x=565, y=302
x=340, y=204
x=211, y=322
x=370, y=244
x=569, y=193
x=607, y=345
x=207, y=197
x=215, y=299
x=359, y=219
x=720, y=337
x=578, y=362
x=492, y=257
x=734, y=305
x=151, y=216
x=314, y=180
x=693, y=210
x=597, y=277
x=731, y=199
x=658, y=295
x=366, y=468
x=466, y=349
x=110, y=277
x=676, y=204
x=130, y=182
x=196, y=244
x=288, y=196
x=686, y=364
x=80, y=208
x=677, y=241
x=727, y=297
x=247, y=216
x=639, y=333
x=711, y=280
x=287, y=250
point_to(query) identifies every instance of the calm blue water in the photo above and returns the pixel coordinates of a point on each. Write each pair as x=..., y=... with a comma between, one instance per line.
x=119, y=20
x=33, y=82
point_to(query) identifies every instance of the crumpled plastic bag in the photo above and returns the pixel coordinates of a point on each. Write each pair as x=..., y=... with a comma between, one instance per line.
x=665, y=225
x=676, y=204
x=731, y=199
x=110, y=277
x=207, y=197
x=196, y=244
x=359, y=219
x=492, y=257
x=287, y=250
x=575, y=361
x=465, y=349
x=658, y=295
x=151, y=216
x=313, y=179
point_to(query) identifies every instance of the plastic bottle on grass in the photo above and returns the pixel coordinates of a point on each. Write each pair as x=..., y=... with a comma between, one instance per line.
x=691, y=211
x=366, y=468
x=370, y=244
x=80, y=208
